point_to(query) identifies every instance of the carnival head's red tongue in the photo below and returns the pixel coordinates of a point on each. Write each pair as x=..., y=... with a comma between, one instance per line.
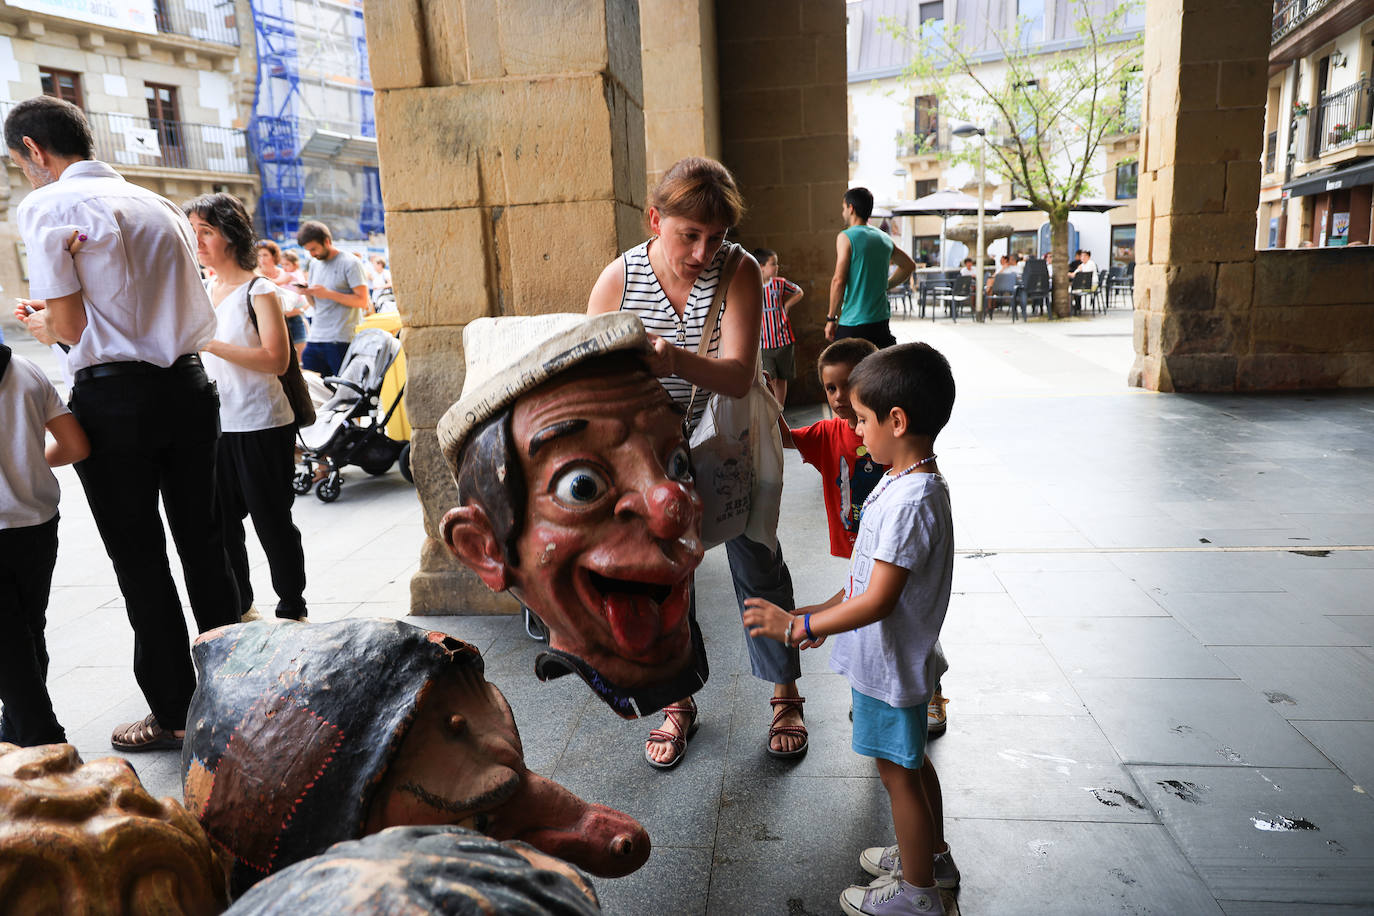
x=634, y=620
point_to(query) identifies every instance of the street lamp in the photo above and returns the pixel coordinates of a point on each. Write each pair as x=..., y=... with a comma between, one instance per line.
x=969, y=130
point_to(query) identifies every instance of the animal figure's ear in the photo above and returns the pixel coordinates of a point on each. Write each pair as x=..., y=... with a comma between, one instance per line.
x=469, y=536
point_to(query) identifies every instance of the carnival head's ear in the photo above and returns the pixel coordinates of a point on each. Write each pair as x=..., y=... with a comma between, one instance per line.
x=482, y=532
x=88, y=838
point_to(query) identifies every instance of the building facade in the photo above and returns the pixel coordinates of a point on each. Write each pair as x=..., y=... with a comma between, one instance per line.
x=164, y=83
x=900, y=143
x=1318, y=167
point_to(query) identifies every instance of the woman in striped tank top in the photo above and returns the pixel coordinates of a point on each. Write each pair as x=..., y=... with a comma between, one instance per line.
x=669, y=281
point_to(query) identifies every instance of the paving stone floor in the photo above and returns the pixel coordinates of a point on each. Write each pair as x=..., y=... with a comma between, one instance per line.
x=1161, y=684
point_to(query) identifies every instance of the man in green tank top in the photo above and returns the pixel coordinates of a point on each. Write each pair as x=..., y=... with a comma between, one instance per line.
x=858, y=291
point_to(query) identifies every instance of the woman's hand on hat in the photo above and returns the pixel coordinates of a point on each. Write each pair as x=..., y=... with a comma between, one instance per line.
x=662, y=357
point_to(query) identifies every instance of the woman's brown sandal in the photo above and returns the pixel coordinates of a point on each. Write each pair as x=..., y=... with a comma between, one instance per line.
x=781, y=706
x=144, y=735
x=684, y=716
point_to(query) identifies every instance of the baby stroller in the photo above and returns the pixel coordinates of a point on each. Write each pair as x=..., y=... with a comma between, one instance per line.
x=350, y=428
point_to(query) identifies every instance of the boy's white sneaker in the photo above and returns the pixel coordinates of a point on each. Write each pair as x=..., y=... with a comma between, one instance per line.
x=881, y=861
x=892, y=897
x=935, y=715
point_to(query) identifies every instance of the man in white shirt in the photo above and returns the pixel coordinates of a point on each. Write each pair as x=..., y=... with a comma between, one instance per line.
x=133, y=309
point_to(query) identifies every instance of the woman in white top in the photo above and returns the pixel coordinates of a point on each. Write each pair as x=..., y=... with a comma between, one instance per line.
x=288, y=286
x=669, y=282
x=256, y=456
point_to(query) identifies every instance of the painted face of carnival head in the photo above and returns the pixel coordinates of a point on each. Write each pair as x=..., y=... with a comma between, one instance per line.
x=576, y=495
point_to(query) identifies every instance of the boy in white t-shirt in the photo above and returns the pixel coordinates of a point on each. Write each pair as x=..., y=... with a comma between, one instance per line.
x=28, y=542
x=888, y=621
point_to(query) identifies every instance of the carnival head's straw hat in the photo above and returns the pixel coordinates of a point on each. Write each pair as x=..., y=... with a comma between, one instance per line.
x=506, y=357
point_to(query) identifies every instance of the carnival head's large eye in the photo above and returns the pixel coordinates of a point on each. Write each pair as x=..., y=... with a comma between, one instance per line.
x=679, y=464
x=579, y=486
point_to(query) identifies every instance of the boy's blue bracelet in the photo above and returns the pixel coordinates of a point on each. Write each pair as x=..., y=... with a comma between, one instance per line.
x=806, y=625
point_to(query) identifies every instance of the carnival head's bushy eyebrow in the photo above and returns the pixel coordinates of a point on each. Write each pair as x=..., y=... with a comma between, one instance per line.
x=553, y=431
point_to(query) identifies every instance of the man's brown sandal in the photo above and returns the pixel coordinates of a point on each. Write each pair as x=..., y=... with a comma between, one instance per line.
x=781, y=706
x=144, y=735
x=684, y=716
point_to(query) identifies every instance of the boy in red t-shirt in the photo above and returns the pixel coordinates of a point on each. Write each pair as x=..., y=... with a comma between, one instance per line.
x=848, y=472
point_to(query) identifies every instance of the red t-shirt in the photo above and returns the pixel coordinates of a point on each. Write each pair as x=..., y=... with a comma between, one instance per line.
x=848, y=475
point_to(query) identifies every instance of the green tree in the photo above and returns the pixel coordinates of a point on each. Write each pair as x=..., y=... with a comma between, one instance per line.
x=1046, y=113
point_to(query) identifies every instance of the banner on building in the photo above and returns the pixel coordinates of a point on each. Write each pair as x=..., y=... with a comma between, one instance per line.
x=133, y=15
x=142, y=140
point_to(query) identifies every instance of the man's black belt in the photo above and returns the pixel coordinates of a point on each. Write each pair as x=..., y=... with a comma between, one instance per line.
x=134, y=367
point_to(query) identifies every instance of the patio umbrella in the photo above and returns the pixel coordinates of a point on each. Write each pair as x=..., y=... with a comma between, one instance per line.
x=943, y=204
x=1085, y=205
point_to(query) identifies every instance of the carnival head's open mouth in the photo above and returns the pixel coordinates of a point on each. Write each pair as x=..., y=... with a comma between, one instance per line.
x=639, y=612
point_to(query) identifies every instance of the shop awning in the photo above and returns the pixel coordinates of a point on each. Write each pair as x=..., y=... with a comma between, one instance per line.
x=1348, y=177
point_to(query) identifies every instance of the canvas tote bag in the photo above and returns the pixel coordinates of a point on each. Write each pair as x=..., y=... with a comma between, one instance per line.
x=737, y=449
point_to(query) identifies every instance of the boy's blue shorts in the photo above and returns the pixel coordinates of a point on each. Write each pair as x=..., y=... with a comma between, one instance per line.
x=885, y=731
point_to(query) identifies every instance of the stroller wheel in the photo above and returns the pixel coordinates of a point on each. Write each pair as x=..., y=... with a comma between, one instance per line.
x=302, y=482
x=403, y=460
x=328, y=489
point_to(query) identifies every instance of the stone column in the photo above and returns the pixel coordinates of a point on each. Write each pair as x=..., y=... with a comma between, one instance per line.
x=1206, y=69
x=511, y=138
x=681, y=94
x=785, y=135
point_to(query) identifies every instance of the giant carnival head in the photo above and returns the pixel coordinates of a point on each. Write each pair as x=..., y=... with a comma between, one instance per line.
x=576, y=495
x=300, y=736
x=88, y=838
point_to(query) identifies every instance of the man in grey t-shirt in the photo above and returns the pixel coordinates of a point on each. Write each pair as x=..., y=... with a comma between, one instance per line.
x=337, y=288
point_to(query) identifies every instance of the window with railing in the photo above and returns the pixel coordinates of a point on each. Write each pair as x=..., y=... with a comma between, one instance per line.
x=932, y=14
x=1271, y=151
x=1289, y=15
x=926, y=187
x=1342, y=118
x=927, y=124
x=205, y=20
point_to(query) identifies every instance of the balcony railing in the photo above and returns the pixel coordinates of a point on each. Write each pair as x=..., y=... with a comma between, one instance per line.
x=1271, y=151
x=204, y=20
x=1342, y=118
x=122, y=139
x=1290, y=14
x=925, y=145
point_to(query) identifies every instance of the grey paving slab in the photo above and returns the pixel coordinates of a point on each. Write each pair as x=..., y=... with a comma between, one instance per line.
x=1007, y=680
x=827, y=720
x=1194, y=722
x=1349, y=745
x=1253, y=619
x=1050, y=767
x=674, y=880
x=1078, y=593
x=1276, y=835
x=804, y=835
x=1334, y=591
x=1361, y=626
x=976, y=620
x=1260, y=908
x=1307, y=683
x=1199, y=572
x=1073, y=869
x=1126, y=647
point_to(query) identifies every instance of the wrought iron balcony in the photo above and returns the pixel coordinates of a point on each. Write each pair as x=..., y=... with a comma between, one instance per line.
x=122, y=139
x=1342, y=118
x=1290, y=14
x=922, y=145
x=203, y=20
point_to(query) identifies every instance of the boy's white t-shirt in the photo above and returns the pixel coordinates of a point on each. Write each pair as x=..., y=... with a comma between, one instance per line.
x=906, y=522
x=28, y=487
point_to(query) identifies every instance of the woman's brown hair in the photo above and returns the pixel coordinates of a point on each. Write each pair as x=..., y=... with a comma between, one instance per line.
x=272, y=247
x=701, y=190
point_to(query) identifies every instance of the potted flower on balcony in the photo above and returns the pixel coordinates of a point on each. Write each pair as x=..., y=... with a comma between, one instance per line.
x=1300, y=109
x=1341, y=133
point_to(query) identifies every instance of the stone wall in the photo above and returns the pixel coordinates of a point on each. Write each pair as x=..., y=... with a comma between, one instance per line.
x=681, y=92
x=785, y=135
x=511, y=138
x=1212, y=314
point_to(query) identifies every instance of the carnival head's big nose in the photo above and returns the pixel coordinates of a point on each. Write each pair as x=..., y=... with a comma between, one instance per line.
x=601, y=840
x=669, y=509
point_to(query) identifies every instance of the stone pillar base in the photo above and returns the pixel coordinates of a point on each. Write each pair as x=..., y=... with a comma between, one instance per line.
x=444, y=586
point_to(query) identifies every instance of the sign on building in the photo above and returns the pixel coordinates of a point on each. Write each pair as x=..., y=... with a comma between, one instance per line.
x=134, y=15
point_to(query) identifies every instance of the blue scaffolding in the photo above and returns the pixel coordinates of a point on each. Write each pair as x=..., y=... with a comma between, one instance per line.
x=306, y=50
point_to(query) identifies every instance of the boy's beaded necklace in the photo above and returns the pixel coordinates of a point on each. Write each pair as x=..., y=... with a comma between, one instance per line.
x=887, y=480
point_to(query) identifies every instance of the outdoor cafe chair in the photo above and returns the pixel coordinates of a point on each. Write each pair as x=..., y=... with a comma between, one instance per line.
x=1003, y=292
x=960, y=294
x=1083, y=285
x=1035, y=287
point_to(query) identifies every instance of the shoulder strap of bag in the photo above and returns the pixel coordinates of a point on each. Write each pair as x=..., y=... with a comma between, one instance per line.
x=4, y=360
x=708, y=330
